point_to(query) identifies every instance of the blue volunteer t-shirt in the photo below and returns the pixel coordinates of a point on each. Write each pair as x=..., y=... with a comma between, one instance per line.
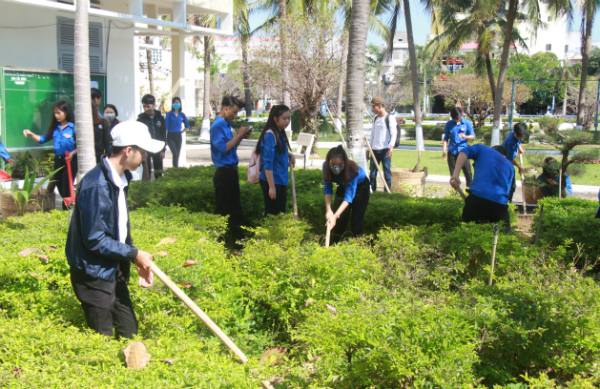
x=493, y=173
x=349, y=189
x=220, y=134
x=452, y=132
x=4, y=153
x=63, y=138
x=272, y=159
x=511, y=145
x=174, y=122
x=566, y=184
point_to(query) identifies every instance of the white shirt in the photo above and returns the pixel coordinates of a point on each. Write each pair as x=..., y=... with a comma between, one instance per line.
x=120, y=181
x=381, y=137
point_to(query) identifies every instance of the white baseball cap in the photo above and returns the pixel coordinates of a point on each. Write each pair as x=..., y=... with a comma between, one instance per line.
x=132, y=133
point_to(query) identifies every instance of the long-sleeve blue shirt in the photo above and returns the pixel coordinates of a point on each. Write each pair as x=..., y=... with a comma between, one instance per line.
x=451, y=132
x=4, y=153
x=220, y=134
x=174, y=121
x=598, y=211
x=349, y=188
x=272, y=159
x=566, y=185
x=493, y=173
x=63, y=138
x=511, y=145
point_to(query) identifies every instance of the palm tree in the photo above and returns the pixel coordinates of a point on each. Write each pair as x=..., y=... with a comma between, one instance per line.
x=206, y=20
x=355, y=79
x=242, y=10
x=284, y=66
x=86, y=158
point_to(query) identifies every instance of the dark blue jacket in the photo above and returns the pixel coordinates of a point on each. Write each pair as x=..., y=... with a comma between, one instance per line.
x=93, y=244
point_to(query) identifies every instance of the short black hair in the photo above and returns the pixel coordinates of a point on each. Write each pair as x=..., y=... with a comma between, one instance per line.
x=148, y=99
x=520, y=129
x=230, y=101
x=96, y=93
x=117, y=149
x=500, y=149
x=455, y=113
x=113, y=108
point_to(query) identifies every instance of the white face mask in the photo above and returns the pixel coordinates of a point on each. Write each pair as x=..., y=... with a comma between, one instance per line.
x=110, y=116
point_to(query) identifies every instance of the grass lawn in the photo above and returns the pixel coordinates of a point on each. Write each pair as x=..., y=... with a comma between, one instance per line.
x=526, y=146
x=437, y=166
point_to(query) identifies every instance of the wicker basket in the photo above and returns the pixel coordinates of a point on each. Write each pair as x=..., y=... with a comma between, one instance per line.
x=403, y=177
x=40, y=201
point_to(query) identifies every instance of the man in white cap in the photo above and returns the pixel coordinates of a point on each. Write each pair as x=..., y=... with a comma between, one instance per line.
x=99, y=247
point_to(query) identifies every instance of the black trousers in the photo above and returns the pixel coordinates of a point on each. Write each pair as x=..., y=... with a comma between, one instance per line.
x=466, y=169
x=480, y=210
x=174, y=142
x=156, y=162
x=227, y=191
x=355, y=212
x=104, y=310
x=277, y=206
x=61, y=178
x=513, y=188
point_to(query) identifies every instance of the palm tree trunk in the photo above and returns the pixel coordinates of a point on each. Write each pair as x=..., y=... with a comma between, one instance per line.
x=246, y=76
x=414, y=76
x=510, y=20
x=149, y=61
x=490, y=73
x=340, y=94
x=564, y=110
x=86, y=158
x=585, y=60
x=284, y=64
x=205, y=128
x=355, y=79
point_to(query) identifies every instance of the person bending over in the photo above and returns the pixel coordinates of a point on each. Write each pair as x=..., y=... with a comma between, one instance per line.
x=551, y=180
x=512, y=145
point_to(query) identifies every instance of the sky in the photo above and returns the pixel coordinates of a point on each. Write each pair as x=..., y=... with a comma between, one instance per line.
x=421, y=22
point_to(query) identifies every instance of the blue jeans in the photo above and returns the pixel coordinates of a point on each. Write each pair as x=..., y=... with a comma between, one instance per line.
x=381, y=156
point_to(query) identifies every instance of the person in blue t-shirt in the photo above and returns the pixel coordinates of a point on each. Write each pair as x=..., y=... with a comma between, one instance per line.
x=352, y=194
x=457, y=133
x=275, y=160
x=5, y=155
x=62, y=133
x=487, y=201
x=512, y=145
x=175, y=120
x=549, y=180
x=223, y=150
x=598, y=211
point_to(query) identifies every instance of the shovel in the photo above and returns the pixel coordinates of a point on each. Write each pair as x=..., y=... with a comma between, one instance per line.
x=327, y=235
x=459, y=190
x=523, y=187
x=377, y=164
x=198, y=312
x=294, y=192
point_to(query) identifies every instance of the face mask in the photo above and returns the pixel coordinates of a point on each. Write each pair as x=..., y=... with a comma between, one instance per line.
x=110, y=116
x=336, y=169
x=176, y=106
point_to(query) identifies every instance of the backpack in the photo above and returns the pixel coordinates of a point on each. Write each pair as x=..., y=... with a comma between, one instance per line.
x=398, y=129
x=254, y=169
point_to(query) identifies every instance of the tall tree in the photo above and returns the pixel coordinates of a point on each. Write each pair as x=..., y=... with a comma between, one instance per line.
x=149, y=64
x=355, y=79
x=86, y=158
x=284, y=62
x=588, y=8
x=242, y=10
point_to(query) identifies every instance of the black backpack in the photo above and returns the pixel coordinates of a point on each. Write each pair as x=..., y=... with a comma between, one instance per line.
x=398, y=129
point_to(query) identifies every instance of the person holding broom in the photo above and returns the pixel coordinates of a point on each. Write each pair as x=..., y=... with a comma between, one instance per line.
x=351, y=196
x=99, y=247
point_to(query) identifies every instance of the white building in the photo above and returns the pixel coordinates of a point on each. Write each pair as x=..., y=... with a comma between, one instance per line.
x=39, y=34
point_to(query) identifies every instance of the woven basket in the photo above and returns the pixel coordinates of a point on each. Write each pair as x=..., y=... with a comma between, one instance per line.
x=40, y=201
x=415, y=181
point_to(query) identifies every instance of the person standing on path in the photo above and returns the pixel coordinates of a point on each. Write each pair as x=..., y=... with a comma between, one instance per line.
x=487, y=201
x=275, y=160
x=155, y=122
x=512, y=145
x=457, y=133
x=383, y=140
x=99, y=246
x=352, y=194
x=175, y=120
x=223, y=151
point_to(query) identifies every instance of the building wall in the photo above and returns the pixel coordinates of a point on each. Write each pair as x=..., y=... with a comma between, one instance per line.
x=31, y=42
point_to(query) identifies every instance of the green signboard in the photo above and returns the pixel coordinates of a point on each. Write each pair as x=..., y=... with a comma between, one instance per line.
x=27, y=97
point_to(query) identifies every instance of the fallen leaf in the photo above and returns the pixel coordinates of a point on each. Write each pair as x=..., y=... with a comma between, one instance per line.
x=184, y=284
x=274, y=356
x=160, y=254
x=202, y=240
x=308, y=302
x=28, y=251
x=332, y=308
x=167, y=240
x=17, y=372
x=44, y=258
x=136, y=355
x=51, y=248
x=189, y=263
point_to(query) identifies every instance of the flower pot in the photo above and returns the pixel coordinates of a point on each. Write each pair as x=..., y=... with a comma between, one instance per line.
x=402, y=177
x=40, y=201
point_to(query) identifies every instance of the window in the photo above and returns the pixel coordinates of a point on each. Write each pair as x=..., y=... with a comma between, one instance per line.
x=66, y=45
x=548, y=47
x=156, y=56
x=566, y=48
